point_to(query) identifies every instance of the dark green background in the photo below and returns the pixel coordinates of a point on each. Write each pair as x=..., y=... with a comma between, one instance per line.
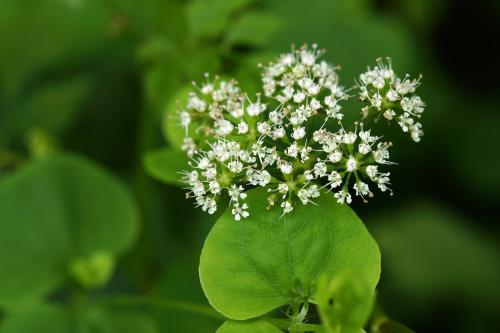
x=93, y=77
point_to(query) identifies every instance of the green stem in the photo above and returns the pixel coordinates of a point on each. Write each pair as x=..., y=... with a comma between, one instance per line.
x=130, y=300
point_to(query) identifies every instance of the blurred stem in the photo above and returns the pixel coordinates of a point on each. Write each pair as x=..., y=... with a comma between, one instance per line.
x=131, y=300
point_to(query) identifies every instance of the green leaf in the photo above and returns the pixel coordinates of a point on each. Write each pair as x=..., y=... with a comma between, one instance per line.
x=252, y=326
x=345, y=302
x=54, y=211
x=166, y=165
x=266, y=261
x=253, y=29
x=207, y=18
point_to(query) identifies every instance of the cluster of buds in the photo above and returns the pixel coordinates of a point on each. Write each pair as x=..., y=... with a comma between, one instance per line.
x=290, y=139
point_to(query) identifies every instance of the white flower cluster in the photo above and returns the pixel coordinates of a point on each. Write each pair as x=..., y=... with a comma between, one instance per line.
x=290, y=140
x=392, y=97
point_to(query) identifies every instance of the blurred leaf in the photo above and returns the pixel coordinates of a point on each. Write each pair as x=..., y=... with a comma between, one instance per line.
x=207, y=18
x=252, y=326
x=166, y=165
x=268, y=261
x=52, y=211
x=252, y=29
x=52, y=32
x=345, y=302
x=50, y=108
x=431, y=254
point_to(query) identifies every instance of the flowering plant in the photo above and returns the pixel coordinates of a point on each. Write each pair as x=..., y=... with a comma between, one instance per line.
x=291, y=139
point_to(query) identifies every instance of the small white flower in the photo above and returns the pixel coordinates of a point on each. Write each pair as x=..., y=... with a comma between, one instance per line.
x=361, y=188
x=235, y=166
x=299, y=97
x=315, y=104
x=285, y=167
x=320, y=169
x=255, y=109
x=279, y=133
x=351, y=164
x=334, y=179
x=372, y=171
x=209, y=206
x=240, y=211
x=287, y=207
x=389, y=114
x=263, y=128
x=242, y=127
x=335, y=156
x=299, y=133
x=343, y=196
x=236, y=193
x=307, y=57
x=392, y=95
x=214, y=187
x=364, y=148
x=224, y=127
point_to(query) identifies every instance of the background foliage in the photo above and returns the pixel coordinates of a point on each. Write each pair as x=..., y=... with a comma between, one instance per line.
x=85, y=86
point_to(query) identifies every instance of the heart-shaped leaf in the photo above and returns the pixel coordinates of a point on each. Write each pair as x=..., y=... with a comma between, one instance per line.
x=251, y=267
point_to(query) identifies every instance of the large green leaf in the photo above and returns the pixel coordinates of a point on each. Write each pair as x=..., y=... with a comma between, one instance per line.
x=250, y=268
x=55, y=212
x=166, y=165
x=252, y=326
